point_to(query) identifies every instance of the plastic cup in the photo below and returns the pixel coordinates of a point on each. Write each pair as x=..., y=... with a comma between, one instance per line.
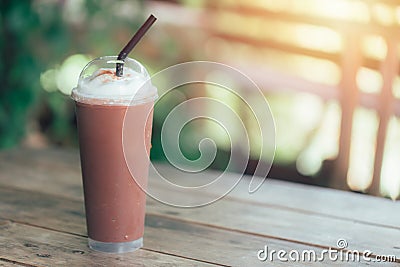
x=114, y=201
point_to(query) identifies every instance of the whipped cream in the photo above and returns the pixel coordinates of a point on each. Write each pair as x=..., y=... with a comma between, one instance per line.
x=104, y=87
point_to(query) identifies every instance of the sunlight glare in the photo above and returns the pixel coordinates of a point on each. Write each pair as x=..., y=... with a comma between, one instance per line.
x=374, y=46
x=69, y=72
x=396, y=87
x=324, y=144
x=383, y=14
x=362, y=149
x=390, y=176
x=369, y=81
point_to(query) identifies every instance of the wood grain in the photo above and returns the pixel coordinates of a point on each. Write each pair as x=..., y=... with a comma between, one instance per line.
x=305, y=198
x=58, y=172
x=308, y=229
x=41, y=247
x=297, y=215
x=162, y=234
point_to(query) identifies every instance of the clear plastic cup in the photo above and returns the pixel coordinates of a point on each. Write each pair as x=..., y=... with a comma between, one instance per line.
x=113, y=191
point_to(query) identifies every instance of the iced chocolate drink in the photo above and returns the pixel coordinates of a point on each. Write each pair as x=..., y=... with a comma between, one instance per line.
x=114, y=193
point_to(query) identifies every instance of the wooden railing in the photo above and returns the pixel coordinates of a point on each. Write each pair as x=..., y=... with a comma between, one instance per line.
x=349, y=59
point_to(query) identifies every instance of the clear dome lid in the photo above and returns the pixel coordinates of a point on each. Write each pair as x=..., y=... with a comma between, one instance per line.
x=99, y=84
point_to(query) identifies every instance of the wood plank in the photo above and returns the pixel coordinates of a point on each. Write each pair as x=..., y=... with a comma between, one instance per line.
x=300, y=198
x=49, y=170
x=339, y=25
x=262, y=43
x=170, y=236
x=226, y=247
x=7, y=263
x=290, y=225
x=290, y=48
x=273, y=80
x=56, y=171
x=40, y=247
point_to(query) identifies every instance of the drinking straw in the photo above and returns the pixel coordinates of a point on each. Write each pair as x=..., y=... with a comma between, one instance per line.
x=132, y=43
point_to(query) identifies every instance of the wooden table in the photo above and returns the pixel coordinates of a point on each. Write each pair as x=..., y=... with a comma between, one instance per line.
x=42, y=222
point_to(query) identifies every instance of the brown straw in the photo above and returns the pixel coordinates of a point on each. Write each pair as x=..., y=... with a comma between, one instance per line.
x=132, y=43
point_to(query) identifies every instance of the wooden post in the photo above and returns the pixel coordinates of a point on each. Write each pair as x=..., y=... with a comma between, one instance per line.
x=389, y=70
x=350, y=62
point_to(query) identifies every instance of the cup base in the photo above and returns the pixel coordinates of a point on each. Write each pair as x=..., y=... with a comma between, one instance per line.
x=116, y=247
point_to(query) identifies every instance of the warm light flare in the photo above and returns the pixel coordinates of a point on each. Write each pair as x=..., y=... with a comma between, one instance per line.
x=390, y=176
x=362, y=149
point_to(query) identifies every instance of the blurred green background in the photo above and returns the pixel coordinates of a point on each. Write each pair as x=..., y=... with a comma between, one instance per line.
x=44, y=45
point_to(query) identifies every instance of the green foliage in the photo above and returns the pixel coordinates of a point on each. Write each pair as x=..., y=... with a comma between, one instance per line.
x=37, y=36
x=19, y=69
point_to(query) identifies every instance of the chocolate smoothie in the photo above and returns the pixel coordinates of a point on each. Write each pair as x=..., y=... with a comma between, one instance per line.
x=114, y=194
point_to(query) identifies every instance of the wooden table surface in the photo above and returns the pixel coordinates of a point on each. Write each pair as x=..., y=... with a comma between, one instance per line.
x=42, y=222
